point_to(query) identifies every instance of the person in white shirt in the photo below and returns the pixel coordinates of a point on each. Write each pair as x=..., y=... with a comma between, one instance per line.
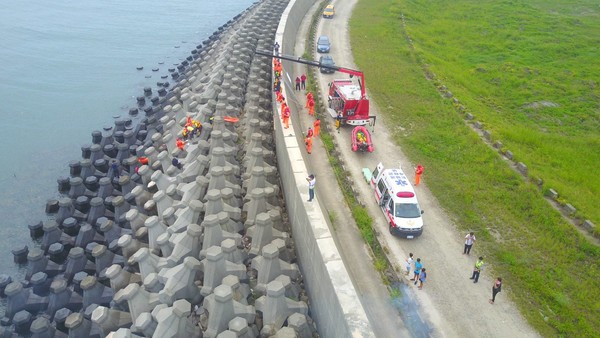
x=409, y=261
x=311, y=187
x=469, y=240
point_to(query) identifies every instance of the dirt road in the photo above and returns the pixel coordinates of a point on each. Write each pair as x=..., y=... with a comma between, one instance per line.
x=450, y=302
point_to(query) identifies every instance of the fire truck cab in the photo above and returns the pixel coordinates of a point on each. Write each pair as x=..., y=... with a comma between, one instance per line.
x=349, y=99
x=398, y=201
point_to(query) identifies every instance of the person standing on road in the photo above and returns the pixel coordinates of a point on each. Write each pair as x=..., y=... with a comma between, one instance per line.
x=497, y=287
x=418, y=173
x=311, y=107
x=298, y=82
x=422, y=278
x=308, y=142
x=311, y=187
x=310, y=132
x=409, y=262
x=317, y=126
x=303, y=81
x=418, y=267
x=469, y=240
x=309, y=96
x=338, y=121
x=477, y=270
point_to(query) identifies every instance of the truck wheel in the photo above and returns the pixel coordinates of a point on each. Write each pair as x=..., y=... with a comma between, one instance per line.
x=391, y=229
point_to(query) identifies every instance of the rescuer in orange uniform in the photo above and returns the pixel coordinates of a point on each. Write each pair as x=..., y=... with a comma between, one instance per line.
x=308, y=142
x=283, y=105
x=309, y=97
x=277, y=66
x=280, y=97
x=418, y=173
x=285, y=114
x=317, y=127
x=311, y=107
x=180, y=144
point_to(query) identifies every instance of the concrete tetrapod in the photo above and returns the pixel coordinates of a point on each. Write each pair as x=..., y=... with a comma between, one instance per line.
x=215, y=268
x=175, y=321
x=222, y=309
x=269, y=267
x=179, y=282
x=110, y=320
x=276, y=308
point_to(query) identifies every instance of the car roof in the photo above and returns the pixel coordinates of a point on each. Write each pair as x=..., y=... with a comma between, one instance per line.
x=329, y=7
x=326, y=57
x=323, y=37
x=399, y=181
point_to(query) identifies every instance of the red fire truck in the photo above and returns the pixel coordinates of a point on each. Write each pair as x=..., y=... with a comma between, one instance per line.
x=346, y=98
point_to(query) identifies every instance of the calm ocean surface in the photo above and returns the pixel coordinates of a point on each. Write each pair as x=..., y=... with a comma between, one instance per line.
x=67, y=67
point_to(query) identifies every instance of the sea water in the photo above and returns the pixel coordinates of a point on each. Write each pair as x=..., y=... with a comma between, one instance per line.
x=69, y=67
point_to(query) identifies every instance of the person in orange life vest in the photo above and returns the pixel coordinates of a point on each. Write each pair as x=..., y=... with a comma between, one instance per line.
x=310, y=132
x=317, y=127
x=143, y=160
x=286, y=117
x=283, y=105
x=303, y=81
x=298, y=82
x=280, y=97
x=308, y=142
x=418, y=173
x=180, y=144
x=311, y=107
x=309, y=97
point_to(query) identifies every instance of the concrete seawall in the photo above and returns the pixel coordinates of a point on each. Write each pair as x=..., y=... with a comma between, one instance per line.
x=335, y=304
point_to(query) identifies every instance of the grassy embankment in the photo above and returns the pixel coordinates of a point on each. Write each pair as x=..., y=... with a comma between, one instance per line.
x=498, y=57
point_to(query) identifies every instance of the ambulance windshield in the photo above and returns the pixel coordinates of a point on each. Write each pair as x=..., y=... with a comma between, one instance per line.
x=407, y=210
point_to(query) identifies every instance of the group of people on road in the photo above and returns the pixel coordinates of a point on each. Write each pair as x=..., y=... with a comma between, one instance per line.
x=420, y=273
x=315, y=129
x=301, y=82
x=497, y=287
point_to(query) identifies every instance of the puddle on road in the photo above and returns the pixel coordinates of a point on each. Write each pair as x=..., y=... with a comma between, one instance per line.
x=408, y=308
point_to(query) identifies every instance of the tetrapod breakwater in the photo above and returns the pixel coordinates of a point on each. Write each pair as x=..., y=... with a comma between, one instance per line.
x=159, y=249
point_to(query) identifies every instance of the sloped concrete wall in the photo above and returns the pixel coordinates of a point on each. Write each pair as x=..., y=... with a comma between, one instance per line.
x=334, y=302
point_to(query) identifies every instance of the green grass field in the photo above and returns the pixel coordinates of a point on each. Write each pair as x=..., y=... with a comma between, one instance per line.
x=529, y=72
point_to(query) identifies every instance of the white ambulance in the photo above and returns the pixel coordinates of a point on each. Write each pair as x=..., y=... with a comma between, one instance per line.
x=398, y=201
